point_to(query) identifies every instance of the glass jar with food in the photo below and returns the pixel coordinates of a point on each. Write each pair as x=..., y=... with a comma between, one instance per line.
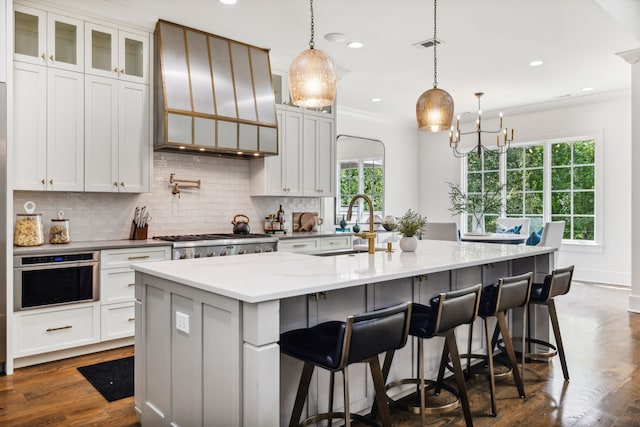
x=28, y=229
x=59, y=232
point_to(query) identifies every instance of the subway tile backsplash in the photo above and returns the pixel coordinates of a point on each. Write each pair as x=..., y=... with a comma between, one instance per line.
x=224, y=193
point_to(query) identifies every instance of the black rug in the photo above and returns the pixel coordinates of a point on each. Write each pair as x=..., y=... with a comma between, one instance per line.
x=113, y=379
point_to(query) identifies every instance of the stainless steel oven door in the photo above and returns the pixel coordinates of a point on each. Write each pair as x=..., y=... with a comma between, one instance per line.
x=38, y=286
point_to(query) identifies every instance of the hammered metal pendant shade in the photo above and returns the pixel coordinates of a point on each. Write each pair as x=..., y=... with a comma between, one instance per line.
x=434, y=110
x=312, y=79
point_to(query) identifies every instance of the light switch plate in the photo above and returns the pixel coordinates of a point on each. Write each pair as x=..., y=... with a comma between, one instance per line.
x=182, y=322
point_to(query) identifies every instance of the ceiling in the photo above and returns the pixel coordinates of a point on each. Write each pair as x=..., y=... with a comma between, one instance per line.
x=486, y=45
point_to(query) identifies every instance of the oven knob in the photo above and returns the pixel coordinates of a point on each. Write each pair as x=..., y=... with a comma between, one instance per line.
x=223, y=252
x=269, y=250
x=242, y=251
x=257, y=250
x=197, y=255
x=210, y=253
x=183, y=256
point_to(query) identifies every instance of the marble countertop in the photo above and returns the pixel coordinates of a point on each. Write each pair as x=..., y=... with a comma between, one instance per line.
x=86, y=246
x=262, y=277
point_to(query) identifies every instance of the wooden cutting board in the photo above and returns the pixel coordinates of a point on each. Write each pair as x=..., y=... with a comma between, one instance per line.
x=307, y=221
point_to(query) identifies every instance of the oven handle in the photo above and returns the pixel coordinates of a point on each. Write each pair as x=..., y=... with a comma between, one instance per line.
x=52, y=266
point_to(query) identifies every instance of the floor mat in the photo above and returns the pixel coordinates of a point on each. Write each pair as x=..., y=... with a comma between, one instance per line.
x=113, y=379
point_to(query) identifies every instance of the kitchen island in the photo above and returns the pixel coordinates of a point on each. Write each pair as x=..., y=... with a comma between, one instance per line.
x=207, y=329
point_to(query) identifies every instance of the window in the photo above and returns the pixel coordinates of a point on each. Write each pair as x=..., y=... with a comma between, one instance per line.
x=545, y=181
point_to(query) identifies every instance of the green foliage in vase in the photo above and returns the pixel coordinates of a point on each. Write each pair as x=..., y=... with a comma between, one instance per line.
x=411, y=223
x=477, y=203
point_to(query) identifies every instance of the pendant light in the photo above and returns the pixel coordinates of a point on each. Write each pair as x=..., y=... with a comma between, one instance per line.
x=312, y=76
x=434, y=109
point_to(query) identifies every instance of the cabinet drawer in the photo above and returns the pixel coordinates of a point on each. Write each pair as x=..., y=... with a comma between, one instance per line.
x=114, y=258
x=117, y=285
x=331, y=243
x=118, y=321
x=298, y=245
x=40, y=331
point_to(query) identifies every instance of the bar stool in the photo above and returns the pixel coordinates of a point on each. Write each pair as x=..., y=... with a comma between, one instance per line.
x=335, y=345
x=555, y=284
x=445, y=312
x=496, y=300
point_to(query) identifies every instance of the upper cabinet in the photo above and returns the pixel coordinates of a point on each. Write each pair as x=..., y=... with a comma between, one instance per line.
x=4, y=25
x=44, y=38
x=114, y=53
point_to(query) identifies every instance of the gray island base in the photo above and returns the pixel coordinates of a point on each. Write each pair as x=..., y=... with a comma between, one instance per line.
x=207, y=330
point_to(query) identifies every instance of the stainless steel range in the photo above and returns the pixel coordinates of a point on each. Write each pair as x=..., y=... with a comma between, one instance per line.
x=210, y=245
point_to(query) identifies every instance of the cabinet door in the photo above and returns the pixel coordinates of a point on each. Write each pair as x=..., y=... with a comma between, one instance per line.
x=65, y=130
x=30, y=35
x=292, y=153
x=101, y=50
x=133, y=57
x=101, y=134
x=30, y=126
x=133, y=137
x=319, y=156
x=65, y=43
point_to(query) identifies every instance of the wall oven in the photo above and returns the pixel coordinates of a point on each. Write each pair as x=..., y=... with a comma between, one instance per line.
x=45, y=280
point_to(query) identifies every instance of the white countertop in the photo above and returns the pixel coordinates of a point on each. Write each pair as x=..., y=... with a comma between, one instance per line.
x=262, y=277
x=93, y=245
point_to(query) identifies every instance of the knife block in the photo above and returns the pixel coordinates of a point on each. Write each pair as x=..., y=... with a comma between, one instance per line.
x=138, y=233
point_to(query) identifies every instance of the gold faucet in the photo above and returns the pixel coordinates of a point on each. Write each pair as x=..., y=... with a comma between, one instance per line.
x=370, y=235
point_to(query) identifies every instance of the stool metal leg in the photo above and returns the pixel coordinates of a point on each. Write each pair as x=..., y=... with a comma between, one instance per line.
x=556, y=331
x=452, y=347
x=332, y=381
x=443, y=365
x=345, y=386
x=421, y=390
x=301, y=395
x=492, y=380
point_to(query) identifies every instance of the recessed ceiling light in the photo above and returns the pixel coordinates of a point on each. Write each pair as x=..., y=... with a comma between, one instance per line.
x=335, y=37
x=536, y=63
x=228, y=1
x=375, y=99
x=587, y=89
x=355, y=45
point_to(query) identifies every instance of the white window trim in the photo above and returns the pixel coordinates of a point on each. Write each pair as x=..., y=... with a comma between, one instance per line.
x=590, y=246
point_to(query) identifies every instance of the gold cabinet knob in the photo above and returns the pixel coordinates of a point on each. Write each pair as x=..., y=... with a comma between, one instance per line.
x=51, y=58
x=44, y=58
x=42, y=181
x=122, y=184
x=115, y=69
x=121, y=70
x=51, y=181
x=115, y=184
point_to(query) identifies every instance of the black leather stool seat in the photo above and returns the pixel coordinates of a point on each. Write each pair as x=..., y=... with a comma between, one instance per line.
x=334, y=345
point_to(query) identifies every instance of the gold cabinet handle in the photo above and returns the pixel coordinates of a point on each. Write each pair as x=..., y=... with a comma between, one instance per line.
x=131, y=284
x=139, y=257
x=131, y=319
x=300, y=245
x=59, y=328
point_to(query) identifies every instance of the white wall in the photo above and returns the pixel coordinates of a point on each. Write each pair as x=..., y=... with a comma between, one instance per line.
x=400, y=162
x=609, y=114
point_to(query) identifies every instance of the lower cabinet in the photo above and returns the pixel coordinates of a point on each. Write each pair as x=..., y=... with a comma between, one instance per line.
x=50, y=329
x=117, y=320
x=315, y=244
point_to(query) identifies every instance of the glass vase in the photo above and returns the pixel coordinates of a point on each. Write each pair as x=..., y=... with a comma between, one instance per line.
x=477, y=223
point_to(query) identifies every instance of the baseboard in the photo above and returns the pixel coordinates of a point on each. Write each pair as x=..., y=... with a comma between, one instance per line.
x=71, y=352
x=634, y=303
x=608, y=277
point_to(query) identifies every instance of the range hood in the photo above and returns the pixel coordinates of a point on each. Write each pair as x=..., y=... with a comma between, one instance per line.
x=214, y=96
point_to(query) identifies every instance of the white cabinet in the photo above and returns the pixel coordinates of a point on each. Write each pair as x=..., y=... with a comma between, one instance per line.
x=281, y=175
x=44, y=38
x=49, y=329
x=116, y=136
x=117, y=288
x=305, y=165
x=4, y=37
x=114, y=53
x=48, y=128
x=315, y=244
x=319, y=153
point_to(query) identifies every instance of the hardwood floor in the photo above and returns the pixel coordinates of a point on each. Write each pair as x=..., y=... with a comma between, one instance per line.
x=602, y=341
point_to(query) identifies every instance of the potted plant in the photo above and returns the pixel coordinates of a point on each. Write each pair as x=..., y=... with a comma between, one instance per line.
x=475, y=204
x=410, y=225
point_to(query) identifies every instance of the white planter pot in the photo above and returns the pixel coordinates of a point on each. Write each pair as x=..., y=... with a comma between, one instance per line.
x=409, y=244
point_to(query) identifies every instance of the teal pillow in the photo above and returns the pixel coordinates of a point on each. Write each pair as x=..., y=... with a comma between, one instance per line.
x=513, y=230
x=534, y=237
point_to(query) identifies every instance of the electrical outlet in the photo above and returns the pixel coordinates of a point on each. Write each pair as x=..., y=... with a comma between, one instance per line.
x=182, y=322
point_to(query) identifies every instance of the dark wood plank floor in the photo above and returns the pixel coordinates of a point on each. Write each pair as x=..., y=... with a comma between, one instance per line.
x=602, y=341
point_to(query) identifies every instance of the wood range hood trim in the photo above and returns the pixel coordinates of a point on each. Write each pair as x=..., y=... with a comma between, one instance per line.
x=214, y=95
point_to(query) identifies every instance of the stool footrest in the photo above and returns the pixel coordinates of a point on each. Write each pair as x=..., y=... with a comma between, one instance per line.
x=337, y=415
x=411, y=402
x=482, y=369
x=553, y=350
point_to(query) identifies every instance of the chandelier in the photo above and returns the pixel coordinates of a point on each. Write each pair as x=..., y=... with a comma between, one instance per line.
x=503, y=139
x=434, y=109
x=312, y=76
